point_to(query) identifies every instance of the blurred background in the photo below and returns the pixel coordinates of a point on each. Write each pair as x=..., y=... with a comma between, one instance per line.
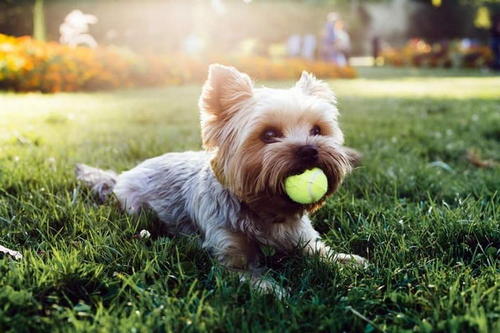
x=68, y=45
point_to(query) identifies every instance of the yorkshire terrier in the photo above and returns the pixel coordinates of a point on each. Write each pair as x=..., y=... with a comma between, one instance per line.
x=232, y=193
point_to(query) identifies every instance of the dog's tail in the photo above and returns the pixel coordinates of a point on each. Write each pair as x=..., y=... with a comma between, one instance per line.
x=102, y=182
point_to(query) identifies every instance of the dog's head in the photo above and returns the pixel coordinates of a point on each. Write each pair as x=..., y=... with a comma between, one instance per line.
x=261, y=136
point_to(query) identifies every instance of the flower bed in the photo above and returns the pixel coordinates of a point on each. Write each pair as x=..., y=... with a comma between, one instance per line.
x=29, y=65
x=421, y=54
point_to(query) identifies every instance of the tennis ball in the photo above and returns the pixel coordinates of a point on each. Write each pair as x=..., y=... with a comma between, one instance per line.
x=308, y=187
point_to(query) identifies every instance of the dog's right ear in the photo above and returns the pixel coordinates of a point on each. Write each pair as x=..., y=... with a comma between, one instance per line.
x=223, y=93
x=310, y=85
x=354, y=156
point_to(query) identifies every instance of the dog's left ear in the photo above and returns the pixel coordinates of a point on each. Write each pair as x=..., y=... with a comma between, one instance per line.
x=223, y=94
x=354, y=156
x=310, y=85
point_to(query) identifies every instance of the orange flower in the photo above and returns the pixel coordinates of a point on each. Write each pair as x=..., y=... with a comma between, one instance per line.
x=28, y=65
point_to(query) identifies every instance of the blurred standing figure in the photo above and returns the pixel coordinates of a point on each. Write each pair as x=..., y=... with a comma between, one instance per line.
x=293, y=45
x=495, y=41
x=342, y=44
x=336, y=42
x=375, y=50
x=308, y=47
x=329, y=37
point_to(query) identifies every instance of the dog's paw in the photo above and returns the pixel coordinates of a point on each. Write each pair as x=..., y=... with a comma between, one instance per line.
x=265, y=286
x=344, y=258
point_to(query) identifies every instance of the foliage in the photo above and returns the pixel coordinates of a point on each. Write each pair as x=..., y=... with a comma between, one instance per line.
x=431, y=233
x=421, y=54
x=29, y=65
x=453, y=19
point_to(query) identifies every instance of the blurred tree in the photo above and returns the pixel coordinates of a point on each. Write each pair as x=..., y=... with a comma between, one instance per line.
x=451, y=19
x=435, y=23
x=16, y=17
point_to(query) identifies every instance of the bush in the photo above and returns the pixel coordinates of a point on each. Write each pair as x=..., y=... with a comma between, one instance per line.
x=421, y=54
x=29, y=65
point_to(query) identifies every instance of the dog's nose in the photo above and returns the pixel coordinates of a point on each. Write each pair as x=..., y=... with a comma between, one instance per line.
x=307, y=153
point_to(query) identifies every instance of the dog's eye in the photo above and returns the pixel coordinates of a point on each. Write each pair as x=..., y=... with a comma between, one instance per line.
x=270, y=135
x=315, y=130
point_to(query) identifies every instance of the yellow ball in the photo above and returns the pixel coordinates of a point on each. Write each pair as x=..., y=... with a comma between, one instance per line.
x=308, y=187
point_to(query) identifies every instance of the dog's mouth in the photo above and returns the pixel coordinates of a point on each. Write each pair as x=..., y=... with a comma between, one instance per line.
x=295, y=172
x=300, y=168
x=275, y=199
x=272, y=177
x=329, y=171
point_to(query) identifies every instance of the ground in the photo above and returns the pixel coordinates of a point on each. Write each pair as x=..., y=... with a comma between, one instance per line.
x=425, y=217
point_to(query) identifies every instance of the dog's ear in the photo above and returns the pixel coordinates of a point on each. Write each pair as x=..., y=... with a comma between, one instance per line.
x=223, y=94
x=310, y=85
x=354, y=156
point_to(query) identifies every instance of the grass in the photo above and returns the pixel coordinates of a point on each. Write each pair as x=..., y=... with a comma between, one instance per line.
x=431, y=231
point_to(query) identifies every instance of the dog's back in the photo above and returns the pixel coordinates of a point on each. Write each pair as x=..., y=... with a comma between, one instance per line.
x=163, y=184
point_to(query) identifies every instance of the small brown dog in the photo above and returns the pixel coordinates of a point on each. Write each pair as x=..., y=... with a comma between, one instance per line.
x=232, y=193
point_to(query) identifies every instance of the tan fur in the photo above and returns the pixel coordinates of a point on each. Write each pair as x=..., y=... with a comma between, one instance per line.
x=233, y=118
x=224, y=91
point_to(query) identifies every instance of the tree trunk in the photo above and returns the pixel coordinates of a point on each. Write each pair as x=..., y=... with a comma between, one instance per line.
x=38, y=21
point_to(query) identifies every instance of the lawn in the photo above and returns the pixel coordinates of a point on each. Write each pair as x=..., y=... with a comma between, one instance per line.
x=422, y=213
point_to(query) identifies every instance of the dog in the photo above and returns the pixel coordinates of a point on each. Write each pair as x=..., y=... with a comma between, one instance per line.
x=232, y=193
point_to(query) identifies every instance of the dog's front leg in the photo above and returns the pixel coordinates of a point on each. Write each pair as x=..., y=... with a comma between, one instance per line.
x=310, y=241
x=233, y=249
x=239, y=253
x=263, y=284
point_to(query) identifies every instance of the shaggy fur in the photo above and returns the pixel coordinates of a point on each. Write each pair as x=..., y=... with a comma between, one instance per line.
x=232, y=193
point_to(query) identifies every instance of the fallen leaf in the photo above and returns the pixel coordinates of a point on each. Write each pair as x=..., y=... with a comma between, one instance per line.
x=474, y=158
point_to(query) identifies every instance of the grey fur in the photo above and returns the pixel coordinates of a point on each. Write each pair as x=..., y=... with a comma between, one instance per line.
x=100, y=181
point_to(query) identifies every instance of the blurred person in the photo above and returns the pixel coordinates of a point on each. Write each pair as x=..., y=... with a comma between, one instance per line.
x=308, y=47
x=329, y=37
x=375, y=50
x=336, y=41
x=293, y=45
x=342, y=44
x=495, y=41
